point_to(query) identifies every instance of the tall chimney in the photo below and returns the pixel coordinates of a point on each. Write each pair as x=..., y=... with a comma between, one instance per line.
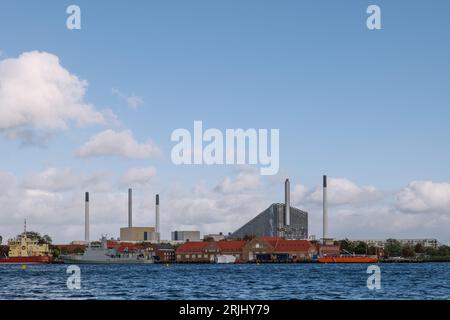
x=325, y=209
x=130, y=208
x=86, y=218
x=157, y=218
x=287, y=203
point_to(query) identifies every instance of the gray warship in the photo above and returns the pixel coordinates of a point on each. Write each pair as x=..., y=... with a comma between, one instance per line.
x=98, y=253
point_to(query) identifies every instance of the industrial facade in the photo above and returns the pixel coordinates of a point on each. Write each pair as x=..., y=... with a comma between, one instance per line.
x=138, y=234
x=271, y=223
x=279, y=220
x=185, y=236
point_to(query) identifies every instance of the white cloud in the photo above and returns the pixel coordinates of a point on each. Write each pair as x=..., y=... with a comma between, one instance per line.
x=53, y=179
x=133, y=101
x=425, y=196
x=138, y=176
x=247, y=179
x=112, y=143
x=7, y=182
x=37, y=92
x=343, y=191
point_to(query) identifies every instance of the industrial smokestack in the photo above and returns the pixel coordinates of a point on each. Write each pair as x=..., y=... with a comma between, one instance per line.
x=130, y=208
x=86, y=218
x=287, y=203
x=157, y=217
x=325, y=209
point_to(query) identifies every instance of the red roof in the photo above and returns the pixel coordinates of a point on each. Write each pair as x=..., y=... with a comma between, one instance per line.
x=293, y=246
x=193, y=247
x=231, y=245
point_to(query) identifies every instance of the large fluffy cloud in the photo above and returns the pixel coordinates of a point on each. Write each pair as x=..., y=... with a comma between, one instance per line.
x=340, y=192
x=425, y=196
x=37, y=92
x=113, y=143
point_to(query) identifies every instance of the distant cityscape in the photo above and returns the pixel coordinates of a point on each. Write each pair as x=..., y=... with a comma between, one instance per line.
x=277, y=234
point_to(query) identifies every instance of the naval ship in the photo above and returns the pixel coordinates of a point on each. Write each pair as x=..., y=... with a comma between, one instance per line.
x=98, y=253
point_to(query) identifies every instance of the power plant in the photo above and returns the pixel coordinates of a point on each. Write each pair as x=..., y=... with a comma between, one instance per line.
x=139, y=234
x=279, y=220
x=130, y=233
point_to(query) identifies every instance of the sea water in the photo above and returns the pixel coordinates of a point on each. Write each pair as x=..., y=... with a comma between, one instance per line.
x=204, y=282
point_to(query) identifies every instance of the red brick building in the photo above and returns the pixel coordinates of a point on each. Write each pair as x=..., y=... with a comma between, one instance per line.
x=163, y=252
x=262, y=249
x=207, y=252
x=270, y=249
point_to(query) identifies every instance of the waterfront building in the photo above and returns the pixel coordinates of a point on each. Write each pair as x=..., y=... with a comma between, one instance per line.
x=163, y=252
x=265, y=249
x=208, y=252
x=262, y=249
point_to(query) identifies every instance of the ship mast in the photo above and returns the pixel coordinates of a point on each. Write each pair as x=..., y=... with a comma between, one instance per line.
x=25, y=226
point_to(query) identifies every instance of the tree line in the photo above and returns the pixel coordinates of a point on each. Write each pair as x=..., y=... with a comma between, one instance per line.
x=394, y=248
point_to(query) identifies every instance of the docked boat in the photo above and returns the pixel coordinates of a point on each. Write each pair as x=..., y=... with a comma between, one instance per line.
x=99, y=253
x=24, y=250
x=348, y=259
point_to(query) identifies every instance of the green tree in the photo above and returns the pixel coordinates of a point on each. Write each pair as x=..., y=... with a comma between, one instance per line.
x=393, y=248
x=431, y=251
x=36, y=236
x=361, y=248
x=408, y=251
x=56, y=252
x=47, y=239
x=419, y=248
x=443, y=251
x=347, y=246
x=372, y=250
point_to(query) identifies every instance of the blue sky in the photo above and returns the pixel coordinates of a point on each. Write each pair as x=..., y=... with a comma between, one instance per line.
x=368, y=106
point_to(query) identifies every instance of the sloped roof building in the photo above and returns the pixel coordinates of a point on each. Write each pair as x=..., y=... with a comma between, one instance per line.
x=272, y=223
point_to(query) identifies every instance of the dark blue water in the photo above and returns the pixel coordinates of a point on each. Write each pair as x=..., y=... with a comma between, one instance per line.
x=297, y=281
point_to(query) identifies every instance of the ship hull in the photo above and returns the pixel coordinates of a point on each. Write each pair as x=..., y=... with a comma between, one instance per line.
x=27, y=260
x=348, y=260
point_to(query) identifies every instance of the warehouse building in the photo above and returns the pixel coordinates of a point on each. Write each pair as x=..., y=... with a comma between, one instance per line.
x=260, y=249
x=279, y=220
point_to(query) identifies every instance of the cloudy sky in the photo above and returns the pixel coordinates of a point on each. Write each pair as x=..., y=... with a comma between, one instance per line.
x=94, y=109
